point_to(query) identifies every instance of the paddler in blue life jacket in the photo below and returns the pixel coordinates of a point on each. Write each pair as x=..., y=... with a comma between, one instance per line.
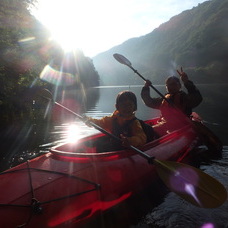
x=123, y=123
x=176, y=104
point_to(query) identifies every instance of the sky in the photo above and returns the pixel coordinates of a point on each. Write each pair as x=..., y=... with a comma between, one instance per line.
x=96, y=26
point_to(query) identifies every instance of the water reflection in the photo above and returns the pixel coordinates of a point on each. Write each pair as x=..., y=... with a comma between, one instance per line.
x=73, y=131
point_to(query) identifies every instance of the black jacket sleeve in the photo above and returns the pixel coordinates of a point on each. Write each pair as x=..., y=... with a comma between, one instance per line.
x=194, y=95
x=148, y=100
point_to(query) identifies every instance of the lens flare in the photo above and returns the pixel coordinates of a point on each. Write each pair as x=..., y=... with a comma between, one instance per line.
x=189, y=188
x=208, y=225
x=184, y=180
x=60, y=115
x=56, y=77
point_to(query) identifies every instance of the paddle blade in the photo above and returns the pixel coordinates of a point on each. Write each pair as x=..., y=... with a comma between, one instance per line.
x=191, y=184
x=121, y=59
x=45, y=93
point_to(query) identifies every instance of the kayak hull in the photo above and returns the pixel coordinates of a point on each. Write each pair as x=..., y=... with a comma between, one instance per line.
x=73, y=183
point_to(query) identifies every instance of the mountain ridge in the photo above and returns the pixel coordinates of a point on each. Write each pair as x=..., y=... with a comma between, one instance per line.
x=195, y=39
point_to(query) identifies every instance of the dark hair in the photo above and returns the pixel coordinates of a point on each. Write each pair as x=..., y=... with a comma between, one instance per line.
x=173, y=78
x=126, y=95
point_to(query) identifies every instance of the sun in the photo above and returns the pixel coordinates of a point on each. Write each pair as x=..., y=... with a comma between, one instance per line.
x=63, y=20
x=88, y=25
x=72, y=23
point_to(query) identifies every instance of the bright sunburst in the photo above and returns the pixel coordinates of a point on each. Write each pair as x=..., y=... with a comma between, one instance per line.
x=73, y=133
x=65, y=20
x=74, y=24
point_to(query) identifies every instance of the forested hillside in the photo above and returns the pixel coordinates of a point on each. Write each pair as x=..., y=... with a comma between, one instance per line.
x=196, y=39
x=25, y=51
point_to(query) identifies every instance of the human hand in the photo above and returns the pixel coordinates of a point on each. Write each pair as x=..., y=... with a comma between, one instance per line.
x=148, y=83
x=125, y=141
x=183, y=75
x=86, y=120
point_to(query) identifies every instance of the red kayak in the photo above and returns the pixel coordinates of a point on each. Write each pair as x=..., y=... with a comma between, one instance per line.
x=73, y=183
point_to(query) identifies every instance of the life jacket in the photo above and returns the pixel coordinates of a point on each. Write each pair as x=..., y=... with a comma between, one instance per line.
x=110, y=144
x=126, y=129
x=178, y=100
x=149, y=131
x=177, y=115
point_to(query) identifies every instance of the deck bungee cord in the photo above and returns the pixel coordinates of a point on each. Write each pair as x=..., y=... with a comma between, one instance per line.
x=35, y=205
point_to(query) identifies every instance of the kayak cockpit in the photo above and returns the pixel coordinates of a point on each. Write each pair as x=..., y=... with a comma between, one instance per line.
x=98, y=144
x=98, y=148
x=94, y=147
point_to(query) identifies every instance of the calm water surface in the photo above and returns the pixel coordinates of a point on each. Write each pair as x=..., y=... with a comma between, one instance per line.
x=172, y=212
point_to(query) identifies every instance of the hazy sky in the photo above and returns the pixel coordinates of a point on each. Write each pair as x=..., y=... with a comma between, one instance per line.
x=96, y=26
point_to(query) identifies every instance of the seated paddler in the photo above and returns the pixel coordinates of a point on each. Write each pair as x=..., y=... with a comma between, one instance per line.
x=123, y=123
x=176, y=108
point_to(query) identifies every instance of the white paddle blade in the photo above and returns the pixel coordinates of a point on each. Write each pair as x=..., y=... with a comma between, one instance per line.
x=121, y=59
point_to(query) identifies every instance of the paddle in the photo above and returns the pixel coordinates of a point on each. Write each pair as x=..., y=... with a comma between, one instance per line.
x=190, y=183
x=123, y=60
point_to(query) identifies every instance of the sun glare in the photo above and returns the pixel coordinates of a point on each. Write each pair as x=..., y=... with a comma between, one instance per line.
x=64, y=20
x=73, y=133
x=72, y=23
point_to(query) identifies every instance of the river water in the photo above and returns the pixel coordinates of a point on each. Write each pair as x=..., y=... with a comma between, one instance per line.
x=172, y=211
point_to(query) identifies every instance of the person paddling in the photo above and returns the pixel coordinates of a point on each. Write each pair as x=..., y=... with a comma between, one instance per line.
x=175, y=104
x=123, y=123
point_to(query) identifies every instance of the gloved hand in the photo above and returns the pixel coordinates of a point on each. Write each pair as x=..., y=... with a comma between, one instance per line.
x=183, y=75
x=148, y=83
x=125, y=141
x=86, y=120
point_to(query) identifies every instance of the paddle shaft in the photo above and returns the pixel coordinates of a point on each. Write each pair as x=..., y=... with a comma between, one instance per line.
x=136, y=72
x=123, y=60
